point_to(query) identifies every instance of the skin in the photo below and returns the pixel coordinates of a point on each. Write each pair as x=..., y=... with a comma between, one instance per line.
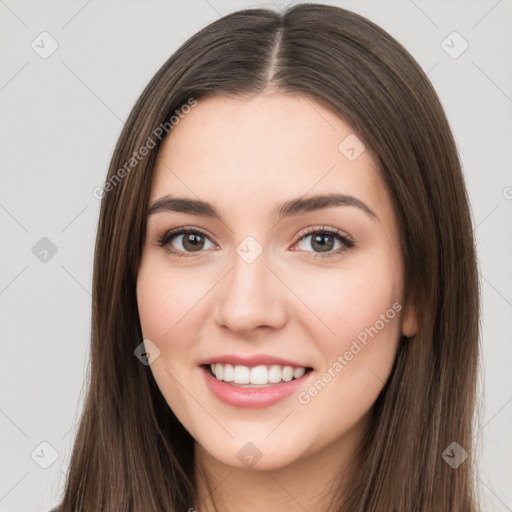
x=245, y=155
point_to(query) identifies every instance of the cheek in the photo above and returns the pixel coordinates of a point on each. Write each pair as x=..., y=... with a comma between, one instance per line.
x=360, y=308
x=163, y=301
x=352, y=301
x=168, y=311
x=167, y=300
x=362, y=311
x=366, y=322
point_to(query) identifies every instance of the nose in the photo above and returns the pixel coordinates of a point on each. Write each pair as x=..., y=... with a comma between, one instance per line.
x=251, y=297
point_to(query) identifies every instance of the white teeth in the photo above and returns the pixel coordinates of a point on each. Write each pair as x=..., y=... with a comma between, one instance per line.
x=257, y=375
x=274, y=374
x=287, y=373
x=240, y=375
x=297, y=373
x=228, y=374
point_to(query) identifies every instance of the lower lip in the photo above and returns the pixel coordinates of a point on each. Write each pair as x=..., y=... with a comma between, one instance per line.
x=252, y=397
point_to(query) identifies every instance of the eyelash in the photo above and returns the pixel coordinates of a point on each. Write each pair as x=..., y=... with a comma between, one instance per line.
x=347, y=241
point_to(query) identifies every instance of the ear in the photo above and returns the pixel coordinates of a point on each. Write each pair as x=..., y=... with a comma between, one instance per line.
x=410, y=320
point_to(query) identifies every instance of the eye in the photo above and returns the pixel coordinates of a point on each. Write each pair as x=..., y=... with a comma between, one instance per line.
x=323, y=241
x=190, y=240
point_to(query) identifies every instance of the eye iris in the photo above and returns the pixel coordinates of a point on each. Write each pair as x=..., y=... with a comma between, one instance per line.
x=196, y=241
x=323, y=247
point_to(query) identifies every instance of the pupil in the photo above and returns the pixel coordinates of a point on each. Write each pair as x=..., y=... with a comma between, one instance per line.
x=324, y=247
x=193, y=240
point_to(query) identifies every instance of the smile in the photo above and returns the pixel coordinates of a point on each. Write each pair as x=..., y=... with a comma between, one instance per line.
x=257, y=386
x=256, y=376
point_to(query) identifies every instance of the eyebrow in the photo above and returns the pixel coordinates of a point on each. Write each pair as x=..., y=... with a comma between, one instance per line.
x=286, y=209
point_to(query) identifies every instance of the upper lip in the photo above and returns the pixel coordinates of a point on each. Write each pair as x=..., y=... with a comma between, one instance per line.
x=254, y=360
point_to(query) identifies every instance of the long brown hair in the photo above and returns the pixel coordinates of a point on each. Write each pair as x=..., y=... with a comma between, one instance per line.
x=130, y=452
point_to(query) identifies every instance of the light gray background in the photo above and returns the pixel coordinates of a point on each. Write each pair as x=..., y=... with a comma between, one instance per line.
x=60, y=118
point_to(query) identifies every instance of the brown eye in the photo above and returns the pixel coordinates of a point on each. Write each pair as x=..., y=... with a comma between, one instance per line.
x=322, y=242
x=325, y=241
x=192, y=241
x=183, y=241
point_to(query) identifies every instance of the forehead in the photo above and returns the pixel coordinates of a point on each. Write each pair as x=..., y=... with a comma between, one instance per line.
x=259, y=150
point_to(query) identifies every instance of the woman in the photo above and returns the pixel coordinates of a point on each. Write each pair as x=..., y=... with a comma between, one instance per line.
x=286, y=299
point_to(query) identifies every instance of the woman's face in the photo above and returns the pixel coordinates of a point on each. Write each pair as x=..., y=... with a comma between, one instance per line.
x=259, y=285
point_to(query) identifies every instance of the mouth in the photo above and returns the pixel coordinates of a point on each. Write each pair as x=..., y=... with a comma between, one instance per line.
x=254, y=386
x=255, y=376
